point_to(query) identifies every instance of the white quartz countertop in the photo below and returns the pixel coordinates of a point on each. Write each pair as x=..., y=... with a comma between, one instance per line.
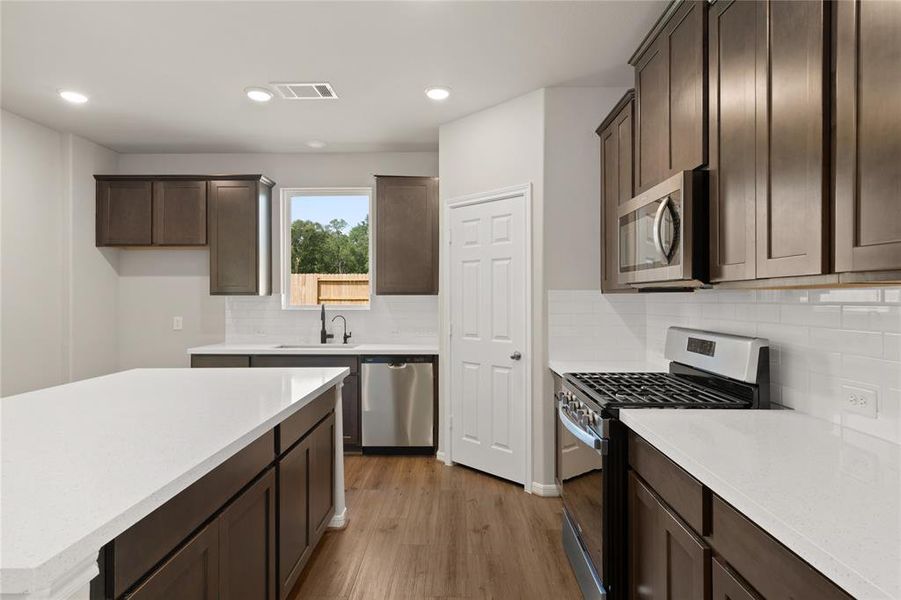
x=82, y=462
x=830, y=494
x=316, y=349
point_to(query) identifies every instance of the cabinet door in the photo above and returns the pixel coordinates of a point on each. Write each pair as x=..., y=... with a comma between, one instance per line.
x=644, y=541
x=293, y=507
x=350, y=410
x=191, y=574
x=406, y=235
x=652, y=117
x=247, y=543
x=792, y=214
x=868, y=136
x=726, y=585
x=233, y=230
x=670, y=95
x=124, y=213
x=179, y=213
x=322, y=477
x=737, y=46
x=685, y=559
x=616, y=188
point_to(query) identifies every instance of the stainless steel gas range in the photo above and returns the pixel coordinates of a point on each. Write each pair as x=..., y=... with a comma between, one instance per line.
x=706, y=370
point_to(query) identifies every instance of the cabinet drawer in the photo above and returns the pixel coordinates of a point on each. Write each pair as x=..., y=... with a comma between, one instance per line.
x=680, y=490
x=300, y=423
x=219, y=360
x=728, y=585
x=767, y=565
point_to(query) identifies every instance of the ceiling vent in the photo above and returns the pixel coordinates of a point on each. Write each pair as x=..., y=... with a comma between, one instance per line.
x=306, y=91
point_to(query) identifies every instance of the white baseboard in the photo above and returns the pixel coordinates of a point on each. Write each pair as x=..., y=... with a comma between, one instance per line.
x=339, y=521
x=546, y=490
x=439, y=455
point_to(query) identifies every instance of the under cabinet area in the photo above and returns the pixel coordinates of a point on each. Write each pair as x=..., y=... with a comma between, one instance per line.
x=686, y=542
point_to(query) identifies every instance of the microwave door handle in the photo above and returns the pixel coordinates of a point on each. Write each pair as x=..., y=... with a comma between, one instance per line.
x=587, y=438
x=658, y=223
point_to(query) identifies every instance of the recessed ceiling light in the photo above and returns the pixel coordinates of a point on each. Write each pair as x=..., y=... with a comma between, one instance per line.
x=437, y=93
x=316, y=144
x=258, y=94
x=73, y=97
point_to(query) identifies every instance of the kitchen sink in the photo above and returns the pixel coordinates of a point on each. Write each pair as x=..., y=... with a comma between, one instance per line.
x=323, y=346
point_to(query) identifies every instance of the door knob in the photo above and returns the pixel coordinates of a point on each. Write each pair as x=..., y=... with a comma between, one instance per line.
x=516, y=355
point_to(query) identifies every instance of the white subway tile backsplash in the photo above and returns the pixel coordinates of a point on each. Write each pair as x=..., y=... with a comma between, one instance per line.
x=820, y=339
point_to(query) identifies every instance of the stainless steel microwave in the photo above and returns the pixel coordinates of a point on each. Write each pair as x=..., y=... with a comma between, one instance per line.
x=662, y=234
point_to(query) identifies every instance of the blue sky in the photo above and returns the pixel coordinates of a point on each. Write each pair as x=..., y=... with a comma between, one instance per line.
x=323, y=209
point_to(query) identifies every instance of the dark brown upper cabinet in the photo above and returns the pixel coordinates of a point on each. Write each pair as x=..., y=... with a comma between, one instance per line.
x=239, y=236
x=179, y=213
x=670, y=95
x=406, y=235
x=867, y=136
x=768, y=143
x=124, y=213
x=617, y=186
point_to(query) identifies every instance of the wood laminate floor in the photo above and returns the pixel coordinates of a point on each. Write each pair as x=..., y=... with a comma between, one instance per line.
x=420, y=529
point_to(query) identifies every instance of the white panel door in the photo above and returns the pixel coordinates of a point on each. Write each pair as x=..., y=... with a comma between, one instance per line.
x=488, y=329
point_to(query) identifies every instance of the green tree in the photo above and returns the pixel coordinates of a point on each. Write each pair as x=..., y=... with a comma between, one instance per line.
x=328, y=249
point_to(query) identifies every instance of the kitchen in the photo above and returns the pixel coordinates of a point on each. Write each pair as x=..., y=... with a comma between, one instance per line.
x=280, y=322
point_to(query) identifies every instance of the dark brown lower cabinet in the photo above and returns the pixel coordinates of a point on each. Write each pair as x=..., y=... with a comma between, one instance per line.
x=668, y=560
x=219, y=360
x=727, y=585
x=306, y=500
x=232, y=558
x=247, y=543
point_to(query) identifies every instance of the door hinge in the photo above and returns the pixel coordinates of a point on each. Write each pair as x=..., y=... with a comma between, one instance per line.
x=450, y=330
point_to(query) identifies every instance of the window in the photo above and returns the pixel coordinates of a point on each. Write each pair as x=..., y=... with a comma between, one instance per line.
x=327, y=247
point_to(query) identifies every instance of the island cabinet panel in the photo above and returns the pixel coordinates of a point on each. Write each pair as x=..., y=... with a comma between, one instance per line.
x=406, y=235
x=868, y=136
x=239, y=224
x=191, y=574
x=179, y=213
x=124, y=213
x=305, y=501
x=617, y=186
x=671, y=97
x=247, y=543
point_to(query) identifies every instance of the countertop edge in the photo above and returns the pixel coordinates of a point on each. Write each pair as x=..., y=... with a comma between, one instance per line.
x=820, y=559
x=336, y=350
x=29, y=580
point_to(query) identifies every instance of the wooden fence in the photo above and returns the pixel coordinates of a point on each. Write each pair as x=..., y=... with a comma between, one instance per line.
x=329, y=288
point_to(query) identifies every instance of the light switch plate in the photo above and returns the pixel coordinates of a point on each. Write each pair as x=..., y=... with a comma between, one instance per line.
x=859, y=400
x=177, y=323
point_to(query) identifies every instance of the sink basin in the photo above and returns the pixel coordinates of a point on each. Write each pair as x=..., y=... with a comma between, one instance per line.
x=322, y=346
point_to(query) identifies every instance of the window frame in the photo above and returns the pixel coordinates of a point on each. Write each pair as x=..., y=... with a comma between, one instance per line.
x=285, y=276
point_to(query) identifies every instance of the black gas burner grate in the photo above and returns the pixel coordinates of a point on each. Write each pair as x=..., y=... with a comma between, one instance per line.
x=649, y=390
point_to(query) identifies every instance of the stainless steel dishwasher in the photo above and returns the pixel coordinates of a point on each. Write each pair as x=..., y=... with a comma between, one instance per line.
x=398, y=403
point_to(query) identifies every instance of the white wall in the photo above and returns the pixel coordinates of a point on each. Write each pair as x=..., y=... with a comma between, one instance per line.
x=495, y=148
x=157, y=285
x=57, y=317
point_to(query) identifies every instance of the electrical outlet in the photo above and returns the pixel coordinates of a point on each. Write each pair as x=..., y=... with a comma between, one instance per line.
x=177, y=323
x=859, y=401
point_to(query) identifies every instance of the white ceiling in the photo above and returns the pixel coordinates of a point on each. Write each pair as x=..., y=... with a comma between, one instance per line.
x=169, y=76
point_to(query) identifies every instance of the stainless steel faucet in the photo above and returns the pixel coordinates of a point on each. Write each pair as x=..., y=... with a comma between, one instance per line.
x=347, y=334
x=324, y=336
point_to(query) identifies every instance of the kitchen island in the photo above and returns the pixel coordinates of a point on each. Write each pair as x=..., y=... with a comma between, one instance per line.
x=133, y=484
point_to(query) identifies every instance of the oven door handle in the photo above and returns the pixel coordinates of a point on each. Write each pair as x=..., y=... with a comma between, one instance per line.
x=586, y=437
